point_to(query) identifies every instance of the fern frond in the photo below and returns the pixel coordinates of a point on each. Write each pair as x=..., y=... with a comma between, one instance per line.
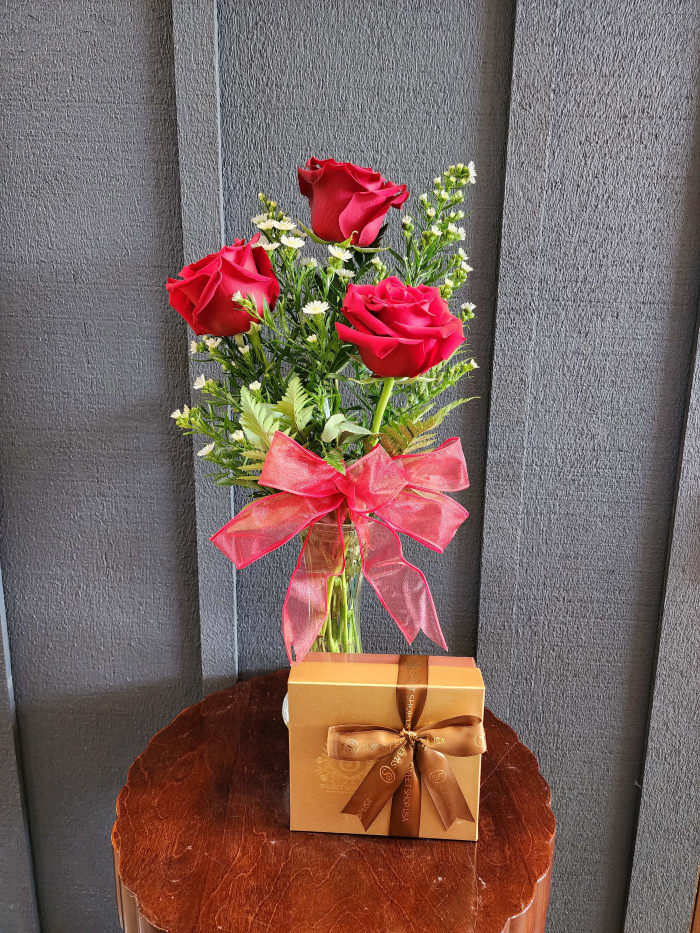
x=434, y=421
x=258, y=420
x=335, y=458
x=420, y=442
x=396, y=437
x=409, y=436
x=297, y=406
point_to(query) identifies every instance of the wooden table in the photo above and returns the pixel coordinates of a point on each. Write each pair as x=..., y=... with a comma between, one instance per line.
x=202, y=845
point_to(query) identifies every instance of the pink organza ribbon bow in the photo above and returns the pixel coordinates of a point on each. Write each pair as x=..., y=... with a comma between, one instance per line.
x=382, y=495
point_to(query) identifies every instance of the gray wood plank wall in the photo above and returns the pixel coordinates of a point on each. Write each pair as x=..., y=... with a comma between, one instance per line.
x=97, y=537
x=664, y=876
x=199, y=146
x=594, y=336
x=582, y=119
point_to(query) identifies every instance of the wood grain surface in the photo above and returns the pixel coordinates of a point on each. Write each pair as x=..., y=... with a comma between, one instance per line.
x=202, y=844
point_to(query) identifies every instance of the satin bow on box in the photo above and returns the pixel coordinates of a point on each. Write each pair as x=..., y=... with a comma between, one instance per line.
x=382, y=495
x=403, y=756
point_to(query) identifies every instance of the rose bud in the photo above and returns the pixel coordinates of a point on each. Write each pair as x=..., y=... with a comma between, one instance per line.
x=203, y=295
x=399, y=330
x=346, y=199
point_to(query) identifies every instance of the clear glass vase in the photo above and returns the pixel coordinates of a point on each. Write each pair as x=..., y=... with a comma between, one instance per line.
x=340, y=631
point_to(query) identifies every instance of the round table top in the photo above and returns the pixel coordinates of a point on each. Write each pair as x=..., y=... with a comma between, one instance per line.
x=202, y=841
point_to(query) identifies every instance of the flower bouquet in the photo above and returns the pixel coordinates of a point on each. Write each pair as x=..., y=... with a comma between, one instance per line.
x=325, y=405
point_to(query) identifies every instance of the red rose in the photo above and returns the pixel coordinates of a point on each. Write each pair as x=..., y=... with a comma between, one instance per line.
x=347, y=198
x=203, y=293
x=400, y=330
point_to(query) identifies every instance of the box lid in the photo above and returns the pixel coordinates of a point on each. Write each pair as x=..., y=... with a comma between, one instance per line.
x=381, y=670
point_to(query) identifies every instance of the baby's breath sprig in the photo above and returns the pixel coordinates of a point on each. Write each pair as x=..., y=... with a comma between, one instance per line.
x=427, y=260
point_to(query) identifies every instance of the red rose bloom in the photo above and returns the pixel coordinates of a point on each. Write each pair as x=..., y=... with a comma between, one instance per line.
x=346, y=198
x=400, y=330
x=204, y=291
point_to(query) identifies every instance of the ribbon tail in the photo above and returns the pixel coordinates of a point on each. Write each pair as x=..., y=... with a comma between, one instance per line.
x=306, y=603
x=405, y=804
x=442, y=786
x=400, y=586
x=380, y=783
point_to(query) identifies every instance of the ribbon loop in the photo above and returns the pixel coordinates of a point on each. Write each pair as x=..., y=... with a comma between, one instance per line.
x=360, y=743
x=406, y=756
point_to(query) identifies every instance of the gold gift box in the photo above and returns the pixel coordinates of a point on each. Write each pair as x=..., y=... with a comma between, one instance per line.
x=335, y=689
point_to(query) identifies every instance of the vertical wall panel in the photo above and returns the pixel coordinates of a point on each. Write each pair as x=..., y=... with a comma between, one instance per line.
x=96, y=513
x=667, y=847
x=199, y=146
x=596, y=313
x=18, y=912
x=409, y=89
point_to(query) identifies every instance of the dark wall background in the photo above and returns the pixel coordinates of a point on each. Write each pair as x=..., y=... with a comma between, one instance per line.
x=134, y=133
x=96, y=509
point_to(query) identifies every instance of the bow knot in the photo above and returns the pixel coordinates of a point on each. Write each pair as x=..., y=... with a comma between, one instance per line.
x=382, y=496
x=402, y=756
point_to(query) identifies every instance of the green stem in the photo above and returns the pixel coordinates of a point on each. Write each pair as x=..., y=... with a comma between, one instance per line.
x=381, y=407
x=254, y=338
x=346, y=633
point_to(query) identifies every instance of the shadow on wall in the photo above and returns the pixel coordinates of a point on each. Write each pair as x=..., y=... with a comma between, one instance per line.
x=106, y=731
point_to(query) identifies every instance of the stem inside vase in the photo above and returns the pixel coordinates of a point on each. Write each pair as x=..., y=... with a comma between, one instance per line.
x=340, y=631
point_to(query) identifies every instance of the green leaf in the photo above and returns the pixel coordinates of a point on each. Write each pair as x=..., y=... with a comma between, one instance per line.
x=258, y=420
x=338, y=426
x=317, y=239
x=335, y=458
x=371, y=249
x=297, y=405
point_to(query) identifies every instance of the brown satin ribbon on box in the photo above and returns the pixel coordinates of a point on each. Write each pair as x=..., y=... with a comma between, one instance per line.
x=405, y=756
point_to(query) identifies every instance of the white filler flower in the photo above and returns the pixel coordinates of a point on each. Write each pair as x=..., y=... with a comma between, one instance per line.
x=205, y=450
x=200, y=381
x=315, y=307
x=293, y=242
x=339, y=253
x=255, y=386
